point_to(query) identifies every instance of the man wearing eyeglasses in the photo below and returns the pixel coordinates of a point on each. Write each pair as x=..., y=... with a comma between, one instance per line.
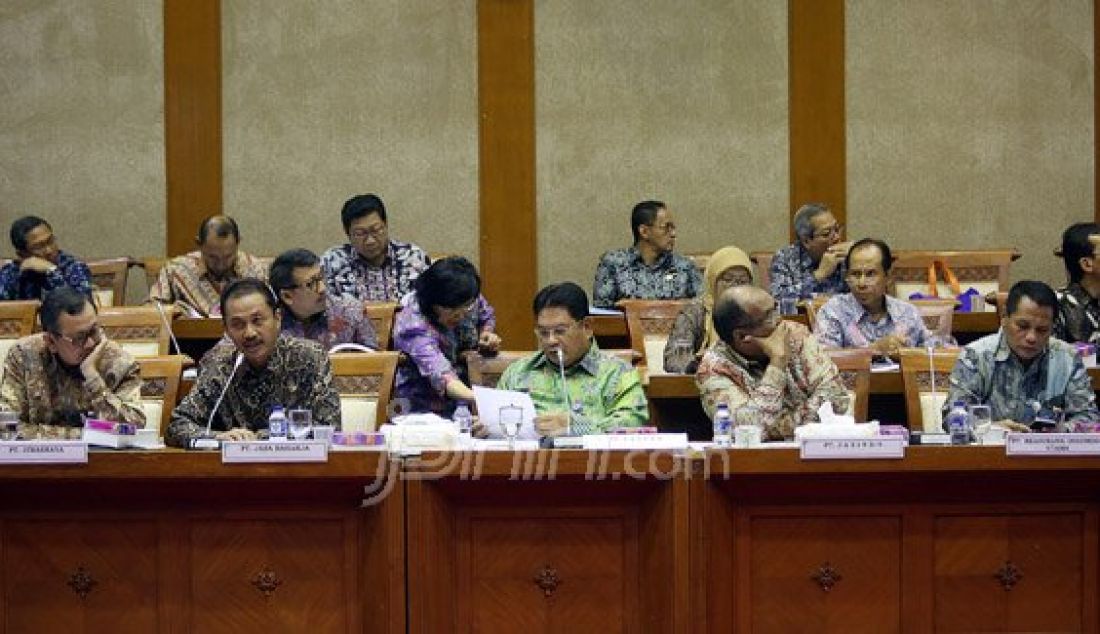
x=767, y=363
x=1078, y=316
x=649, y=269
x=51, y=378
x=604, y=391
x=194, y=282
x=40, y=265
x=815, y=263
x=371, y=267
x=309, y=311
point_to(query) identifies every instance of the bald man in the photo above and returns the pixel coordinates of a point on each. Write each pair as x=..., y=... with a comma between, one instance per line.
x=764, y=362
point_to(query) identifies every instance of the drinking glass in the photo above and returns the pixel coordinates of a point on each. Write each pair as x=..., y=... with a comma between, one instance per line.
x=301, y=421
x=511, y=418
x=9, y=425
x=747, y=430
x=981, y=419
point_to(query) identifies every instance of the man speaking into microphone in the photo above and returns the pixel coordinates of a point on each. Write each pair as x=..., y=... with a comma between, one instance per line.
x=239, y=386
x=571, y=374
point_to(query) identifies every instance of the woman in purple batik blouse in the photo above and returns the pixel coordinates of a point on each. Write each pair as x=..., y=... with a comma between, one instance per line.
x=443, y=317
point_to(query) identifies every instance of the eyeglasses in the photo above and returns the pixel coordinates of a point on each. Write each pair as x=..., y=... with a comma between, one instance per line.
x=314, y=283
x=556, y=332
x=734, y=278
x=829, y=232
x=446, y=312
x=80, y=339
x=376, y=232
x=42, y=245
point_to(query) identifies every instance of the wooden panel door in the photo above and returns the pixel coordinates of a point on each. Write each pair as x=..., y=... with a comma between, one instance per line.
x=1009, y=573
x=547, y=574
x=80, y=576
x=822, y=574
x=272, y=575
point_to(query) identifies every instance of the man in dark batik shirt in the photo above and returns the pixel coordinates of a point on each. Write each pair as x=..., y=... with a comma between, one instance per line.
x=40, y=265
x=274, y=369
x=1078, y=317
x=649, y=269
x=371, y=267
x=814, y=263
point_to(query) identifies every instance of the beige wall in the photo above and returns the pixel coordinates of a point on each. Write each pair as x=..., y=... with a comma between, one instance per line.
x=326, y=100
x=82, y=123
x=970, y=124
x=685, y=102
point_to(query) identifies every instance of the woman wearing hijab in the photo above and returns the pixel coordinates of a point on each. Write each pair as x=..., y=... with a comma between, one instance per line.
x=693, y=331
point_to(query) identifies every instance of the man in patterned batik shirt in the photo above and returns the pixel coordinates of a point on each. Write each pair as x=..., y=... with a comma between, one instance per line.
x=1021, y=370
x=1078, y=318
x=264, y=369
x=194, y=282
x=371, y=267
x=309, y=311
x=605, y=392
x=40, y=265
x=767, y=363
x=53, y=377
x=813, y=264
x=649, y=269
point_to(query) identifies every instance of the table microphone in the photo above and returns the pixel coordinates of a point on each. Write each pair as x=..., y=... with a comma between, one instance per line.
x=207, y=440
x=168, y=325
x=565, y=394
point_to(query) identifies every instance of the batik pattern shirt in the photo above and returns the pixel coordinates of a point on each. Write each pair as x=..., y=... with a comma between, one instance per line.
x=48, y=395
x=623, y=274
x=785, y=398
x=1078, y=317
x=607, y=390
x=184, y=282
x=844, y=323
x=16, y=283
x=349, y=274
x=792, y=275
x=688, y=332
x=432, y=353
x=987, y=372
x=342, y=321
x=297, y=376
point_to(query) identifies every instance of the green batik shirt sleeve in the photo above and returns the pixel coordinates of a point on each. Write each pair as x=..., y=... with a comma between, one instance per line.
x=625, y=403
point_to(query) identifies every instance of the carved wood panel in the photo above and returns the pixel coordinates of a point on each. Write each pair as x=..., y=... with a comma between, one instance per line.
x=1009, y=573
x=277, y=575
x=80, y=576
x=842, y=573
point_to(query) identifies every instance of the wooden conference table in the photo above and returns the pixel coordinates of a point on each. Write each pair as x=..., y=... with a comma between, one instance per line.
x=946, y=539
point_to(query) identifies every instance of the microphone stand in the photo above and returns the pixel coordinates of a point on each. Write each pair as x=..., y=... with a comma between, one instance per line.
x=207, y=439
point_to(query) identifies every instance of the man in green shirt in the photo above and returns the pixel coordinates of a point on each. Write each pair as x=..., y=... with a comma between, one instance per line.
x=604, y=392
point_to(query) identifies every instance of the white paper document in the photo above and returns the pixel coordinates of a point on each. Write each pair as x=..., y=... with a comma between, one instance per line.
x=489, y=403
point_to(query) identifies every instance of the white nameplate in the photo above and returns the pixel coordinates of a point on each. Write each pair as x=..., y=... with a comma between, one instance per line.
x=635, y=441
x=1052, y=444
x=236, y=452
x=43, y=452
x=881, y=447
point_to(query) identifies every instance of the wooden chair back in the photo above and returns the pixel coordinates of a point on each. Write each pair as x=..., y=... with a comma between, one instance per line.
x=920, y=374
x=109, y=281
x=364, y=381
x=812, y=307
x=17, y=320
x=160, y=389
x=985, y=270
x=854, y=366
x=152, y=266
x=485, y=371
x=140, y=330
x=381, y=315
x=700, y=260
x=763, y=262
x=649, y=323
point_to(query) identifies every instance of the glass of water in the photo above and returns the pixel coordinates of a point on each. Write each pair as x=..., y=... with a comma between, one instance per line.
x=981, y=420
x=511, y=417
x=301, y=422
x=9, y=425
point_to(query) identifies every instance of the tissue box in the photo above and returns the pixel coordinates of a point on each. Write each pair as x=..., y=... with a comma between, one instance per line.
x=419, y=437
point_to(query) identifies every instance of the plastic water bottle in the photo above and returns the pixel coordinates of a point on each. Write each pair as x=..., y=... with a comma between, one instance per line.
x=276, y=424
x=958, y=424
x=723, y=425
x=464, y=420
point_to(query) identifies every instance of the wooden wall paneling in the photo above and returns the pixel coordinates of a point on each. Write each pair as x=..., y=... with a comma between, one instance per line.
x=917, y=570
x=817, y=120
x=381, y=570
x=506, y=154
x=429, y=559
x=192, y=118
x=1090, y=616
x=1096, y=111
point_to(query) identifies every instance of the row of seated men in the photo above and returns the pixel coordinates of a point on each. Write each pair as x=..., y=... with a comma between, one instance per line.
x=750, y=358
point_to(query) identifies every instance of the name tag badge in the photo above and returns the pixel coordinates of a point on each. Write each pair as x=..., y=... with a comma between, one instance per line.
x=43, y=452
x=880, y=448
x=1052, y=444
x=259, y=451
